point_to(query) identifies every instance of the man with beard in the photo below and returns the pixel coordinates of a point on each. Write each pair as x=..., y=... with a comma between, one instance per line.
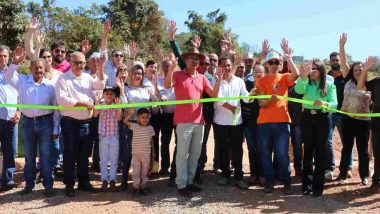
x=58, y=52
x=339, y=82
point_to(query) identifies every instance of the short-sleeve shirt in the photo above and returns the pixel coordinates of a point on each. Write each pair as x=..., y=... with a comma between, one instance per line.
x=189, y=87
x=108, y=123
x=275, y=112
x=142, y=135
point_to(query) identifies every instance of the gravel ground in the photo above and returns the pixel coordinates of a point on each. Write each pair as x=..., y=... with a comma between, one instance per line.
x=343, y=198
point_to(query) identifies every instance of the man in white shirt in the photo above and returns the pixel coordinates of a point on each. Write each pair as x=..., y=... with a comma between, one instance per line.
x=75, y=88
x=39, y=126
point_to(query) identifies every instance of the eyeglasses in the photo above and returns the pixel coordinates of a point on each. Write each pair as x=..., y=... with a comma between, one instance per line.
x=122, y=69
x=118, y=55
x=204, y=64
x=46, y=57
x=273, y=62
x=57, y=51
x=78, y=63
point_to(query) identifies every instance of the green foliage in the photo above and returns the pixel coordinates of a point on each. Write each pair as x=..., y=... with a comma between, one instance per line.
x=137, y=20
x=12, y=22
x=210, y=29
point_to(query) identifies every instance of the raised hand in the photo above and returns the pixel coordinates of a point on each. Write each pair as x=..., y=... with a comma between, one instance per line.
x=172, y=62
x=161, y=55
x=369, y=62
x=172, y=28
x=288, y=56
x=40, y=37
x=285, y=46
x=107, y=26
x=238, y=60
x=85, y=46
x=34, y=24
x=265, y=47
x=305, y=69
x=343, y=40
x=219, y=74
x=117, y=100
x=196, y=41
x=132, y=50
x=18, y=55
x=102, y=61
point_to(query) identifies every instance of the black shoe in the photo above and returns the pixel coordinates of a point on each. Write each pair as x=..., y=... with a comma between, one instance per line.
x=194, y=188
x=135, y=193
x=317, y=193
x=145, y=191
x=252, y=180
x=185, y=192
x=123, y=186
x=49, y=193
x=287, y=190
x=269, y=188
x=69, y=192
x=7, y=187
x=104, y=186
x=164, y=172
x=86, y=187
x=113, y=186
x=341, y=177
x=26, y=190
x=95, y=168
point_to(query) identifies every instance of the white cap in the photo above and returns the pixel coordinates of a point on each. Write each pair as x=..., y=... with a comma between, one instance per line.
x=248, y=56
x=272, y=55
x=139, y=63
x=95, y=55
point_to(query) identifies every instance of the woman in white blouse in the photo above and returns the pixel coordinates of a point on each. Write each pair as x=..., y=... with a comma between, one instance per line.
x=228, y=123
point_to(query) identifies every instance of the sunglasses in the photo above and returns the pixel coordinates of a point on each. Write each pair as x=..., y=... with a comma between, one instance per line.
x=57, y=51
x=273, y=62
x=118, y=55
x=78, y=63
x=46, y=57
x=122, y=69
x=204, y=64
x=314, y=69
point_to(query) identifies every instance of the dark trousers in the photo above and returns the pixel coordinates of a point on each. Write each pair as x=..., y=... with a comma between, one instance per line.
x=173, y=171
x=156, y=122
x=76, y=146
x=375, y=128
x=166, y=135
x=315, y=133
x=203, y=157
x=126, y=153
x=94, y=142
x=7, y=147
x=296, y=140
x=359, y=130
x=230, y=138
x=250, y=133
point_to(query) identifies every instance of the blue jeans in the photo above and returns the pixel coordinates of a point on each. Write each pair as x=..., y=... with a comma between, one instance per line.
x=274, y=137
x=127, y=151
x=8, y=145
x=75, y=152
x=38, y=133
x=296, y=140
x=252, y=141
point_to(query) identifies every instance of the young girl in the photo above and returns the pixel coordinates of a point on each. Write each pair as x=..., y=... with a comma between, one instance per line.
x=109, y=138
x=142, y=149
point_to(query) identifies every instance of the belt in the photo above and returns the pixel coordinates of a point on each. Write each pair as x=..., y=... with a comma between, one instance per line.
x=38, y=117
x=314, y=111
x=76, y=120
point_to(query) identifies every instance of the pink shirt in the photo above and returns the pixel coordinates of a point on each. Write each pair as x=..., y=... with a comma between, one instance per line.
x=64, y=66
x=189, y=87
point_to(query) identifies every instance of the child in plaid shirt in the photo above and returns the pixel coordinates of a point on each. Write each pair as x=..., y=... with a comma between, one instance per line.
x=109, y=138
x=142, y=149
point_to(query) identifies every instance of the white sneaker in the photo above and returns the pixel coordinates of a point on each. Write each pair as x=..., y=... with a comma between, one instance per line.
x=329, y=175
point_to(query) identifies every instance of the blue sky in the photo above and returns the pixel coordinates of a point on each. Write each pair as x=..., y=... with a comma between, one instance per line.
x=312, y=27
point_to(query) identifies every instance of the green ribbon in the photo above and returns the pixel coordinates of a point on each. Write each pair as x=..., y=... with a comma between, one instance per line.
x=178, y=102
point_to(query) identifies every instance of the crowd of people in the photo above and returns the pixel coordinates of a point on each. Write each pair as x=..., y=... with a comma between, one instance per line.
x=116, y=138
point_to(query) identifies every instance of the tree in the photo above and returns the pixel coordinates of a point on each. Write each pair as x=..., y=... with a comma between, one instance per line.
x=210, y=29
x=13, y=22
x=137, y=20
x=69, y=26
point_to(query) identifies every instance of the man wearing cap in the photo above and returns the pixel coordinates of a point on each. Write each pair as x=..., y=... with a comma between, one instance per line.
x=75, y=88
x=273, y=121
x=189, y=85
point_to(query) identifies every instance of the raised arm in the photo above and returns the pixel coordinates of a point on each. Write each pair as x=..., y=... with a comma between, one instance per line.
x=131, y=50
x=10, y=75
x=213, y=92
x=342, y=54
x=172, y=28
x=40, y=39
x=172, y=62
x=264, y=51
x=301, y=83
x=28, y=43
x=106, y=32
x=288, y=53
x=370, y=61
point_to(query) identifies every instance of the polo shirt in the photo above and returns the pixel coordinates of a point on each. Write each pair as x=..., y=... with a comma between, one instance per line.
x=189, y=87
x=64, y=66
